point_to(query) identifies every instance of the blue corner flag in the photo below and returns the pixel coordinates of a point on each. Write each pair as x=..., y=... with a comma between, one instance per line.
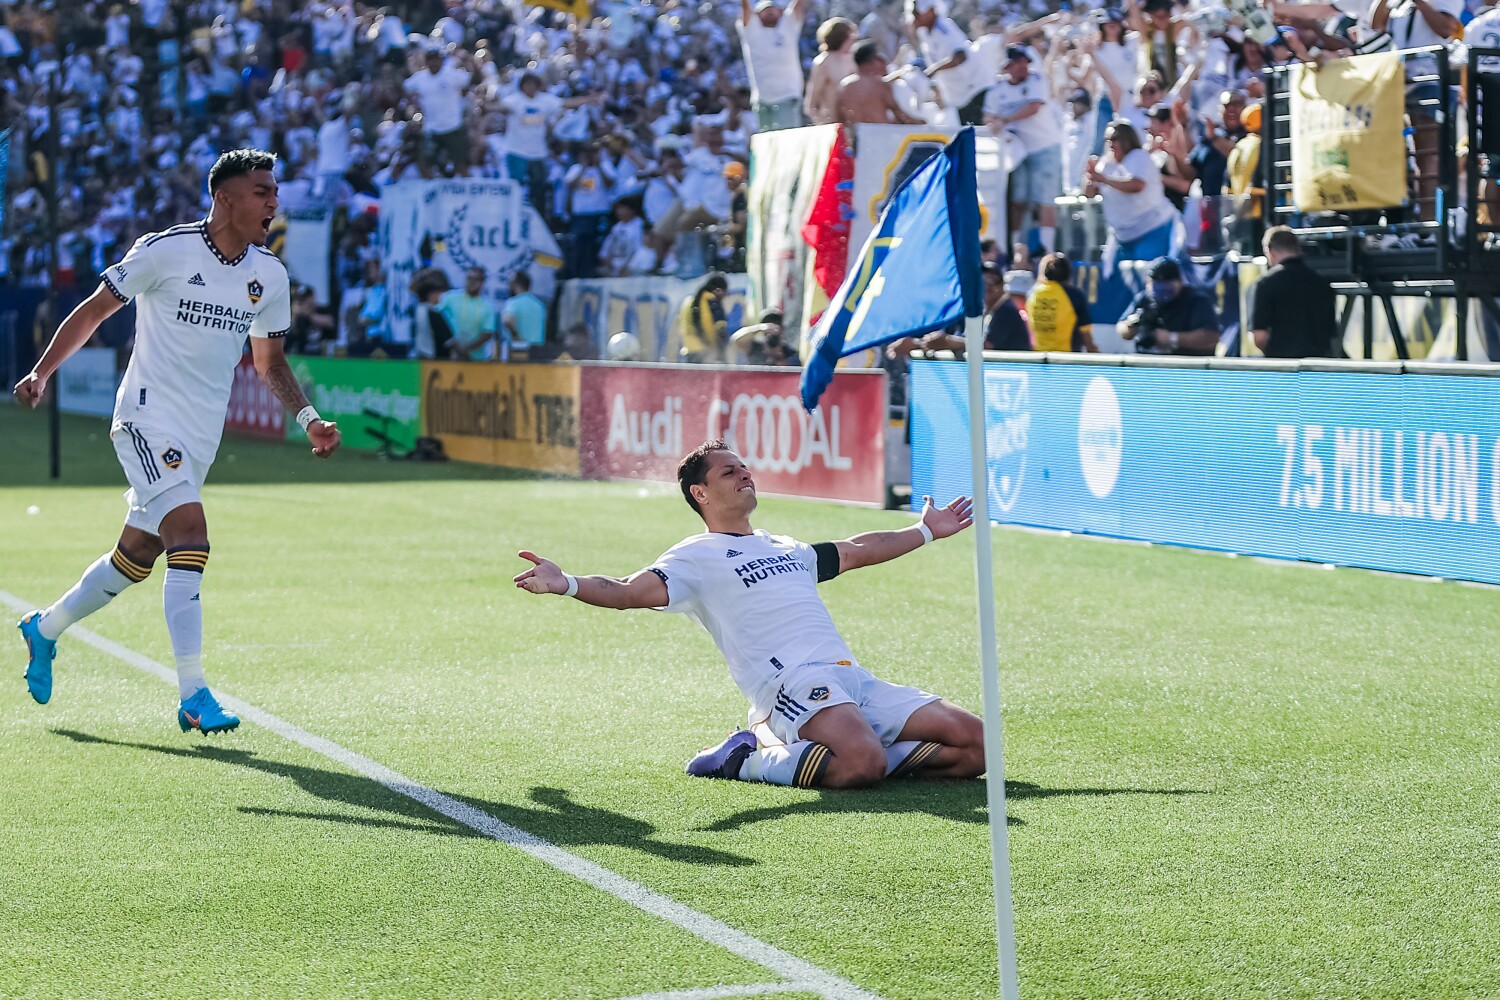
x=918, y=272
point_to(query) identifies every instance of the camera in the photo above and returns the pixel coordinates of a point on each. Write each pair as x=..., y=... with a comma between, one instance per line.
x=1146, y=320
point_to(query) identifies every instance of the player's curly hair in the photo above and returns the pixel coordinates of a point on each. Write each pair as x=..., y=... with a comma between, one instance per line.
x=238, y=163
x=693, y=470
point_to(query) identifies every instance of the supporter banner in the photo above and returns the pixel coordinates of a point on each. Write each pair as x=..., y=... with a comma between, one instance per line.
x=455, y=225
x=1393, y=472
x=1347, y=120
x=887, y=155
x=787, y=168
x=646, y=307
x=87, y=383
x=521, y=416
x=253, y=410
x=363, y=396
x=638, y=422
x=307, y=247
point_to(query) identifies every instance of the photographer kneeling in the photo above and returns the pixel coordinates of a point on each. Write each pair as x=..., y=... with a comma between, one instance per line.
x=1171, y=316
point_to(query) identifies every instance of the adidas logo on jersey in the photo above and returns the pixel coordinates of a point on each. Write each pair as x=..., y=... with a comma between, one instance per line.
x=732, y=554
x=197, y=279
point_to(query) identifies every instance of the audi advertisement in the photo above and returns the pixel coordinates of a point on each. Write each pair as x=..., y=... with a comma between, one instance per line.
x=639, y=420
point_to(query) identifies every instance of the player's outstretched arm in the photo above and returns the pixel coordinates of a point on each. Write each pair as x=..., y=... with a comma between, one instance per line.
x=74, y=332
x=270, y=363
x=874, y=547
x=640, y=590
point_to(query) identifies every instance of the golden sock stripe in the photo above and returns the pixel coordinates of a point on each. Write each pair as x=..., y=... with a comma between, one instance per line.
x=917, y=758
x=192, y=559
x=127, y=567
x=811, y=766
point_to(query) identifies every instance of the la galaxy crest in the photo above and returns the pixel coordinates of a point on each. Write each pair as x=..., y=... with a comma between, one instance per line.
x=171, y=458
x=255, y=290
x=819, y=693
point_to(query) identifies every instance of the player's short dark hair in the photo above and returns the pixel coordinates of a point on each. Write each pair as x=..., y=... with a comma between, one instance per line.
x=522, y=280
x=238, y=163
x=1056, y=267
x=1282, y=240
x=865, y=51
x=693, y=470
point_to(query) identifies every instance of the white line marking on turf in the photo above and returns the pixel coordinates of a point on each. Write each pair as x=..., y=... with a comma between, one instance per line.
x=701, y=925
x=714, y=992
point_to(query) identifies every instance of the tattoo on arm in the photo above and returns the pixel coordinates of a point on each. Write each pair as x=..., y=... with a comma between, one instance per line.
x=280, y=380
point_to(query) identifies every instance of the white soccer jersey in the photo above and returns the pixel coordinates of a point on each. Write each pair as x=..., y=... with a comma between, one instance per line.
x=757, y=595
x=193, y=309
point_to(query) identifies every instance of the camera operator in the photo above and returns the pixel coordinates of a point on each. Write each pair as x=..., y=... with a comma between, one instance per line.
x=1171, y=316
x=763, y=343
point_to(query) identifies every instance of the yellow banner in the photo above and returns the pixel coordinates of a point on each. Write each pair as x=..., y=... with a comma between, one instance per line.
x=578, y=8
x=1347, y=146
x=521, y=416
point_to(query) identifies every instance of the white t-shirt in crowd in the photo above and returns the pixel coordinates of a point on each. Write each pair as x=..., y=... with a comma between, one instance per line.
x=1043, y=129
x=959, y=84
x=757, y=596
x=528, y=119
x=1409, y=30
x=441, y=96
x=193, y=309
x=772, y=58
x=590, y=196
x=1121, y=62
x=661, y=192
x=1484, y=33
x=1131, y=216
x=703, y=182
x=333, y=146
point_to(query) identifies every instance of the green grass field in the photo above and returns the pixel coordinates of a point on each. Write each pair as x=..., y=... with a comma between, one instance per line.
x=1226, y=778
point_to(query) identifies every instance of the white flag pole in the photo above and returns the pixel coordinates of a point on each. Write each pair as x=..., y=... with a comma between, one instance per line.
x=994, y=737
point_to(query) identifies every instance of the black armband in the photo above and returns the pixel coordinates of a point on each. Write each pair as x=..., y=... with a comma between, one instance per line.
x=828, y=560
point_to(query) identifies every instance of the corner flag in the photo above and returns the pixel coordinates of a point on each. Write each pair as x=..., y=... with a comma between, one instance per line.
x=919, y=270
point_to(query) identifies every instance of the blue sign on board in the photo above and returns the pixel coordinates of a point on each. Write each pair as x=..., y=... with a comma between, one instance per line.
x=1394, y=472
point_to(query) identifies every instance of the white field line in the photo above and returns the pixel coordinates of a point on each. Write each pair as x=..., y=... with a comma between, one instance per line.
x=701, y=925
x=715, y=992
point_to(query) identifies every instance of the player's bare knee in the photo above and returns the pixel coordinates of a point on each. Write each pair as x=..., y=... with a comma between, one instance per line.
x=971, y=764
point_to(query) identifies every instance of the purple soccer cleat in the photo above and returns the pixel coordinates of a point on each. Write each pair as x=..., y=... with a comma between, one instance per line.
x=724, y=760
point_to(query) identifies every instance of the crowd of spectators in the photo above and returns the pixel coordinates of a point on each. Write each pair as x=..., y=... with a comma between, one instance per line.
x=629, y=130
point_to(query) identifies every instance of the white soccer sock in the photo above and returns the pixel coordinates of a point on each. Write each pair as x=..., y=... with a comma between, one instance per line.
x=100, y=584
x=800, y=764
x=179, y=598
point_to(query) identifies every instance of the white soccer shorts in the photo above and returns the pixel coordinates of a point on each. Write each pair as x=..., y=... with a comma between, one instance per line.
x=161, y=474
x=813, y=687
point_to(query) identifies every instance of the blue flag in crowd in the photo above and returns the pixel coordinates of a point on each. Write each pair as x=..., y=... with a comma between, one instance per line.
x=919, y=271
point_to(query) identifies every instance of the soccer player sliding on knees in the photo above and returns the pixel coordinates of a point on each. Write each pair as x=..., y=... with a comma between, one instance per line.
x=818, y=719
x=199, y=289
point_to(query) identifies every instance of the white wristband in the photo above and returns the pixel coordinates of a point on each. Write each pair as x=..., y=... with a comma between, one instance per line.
x=307, y=415
x=926, y=532
x=572, y=585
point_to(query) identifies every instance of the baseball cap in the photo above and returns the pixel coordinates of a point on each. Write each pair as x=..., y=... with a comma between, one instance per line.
x=1014, y=52
x=1160, y=112
x=1081, y=96
x=1165, y=269
x=766, y=5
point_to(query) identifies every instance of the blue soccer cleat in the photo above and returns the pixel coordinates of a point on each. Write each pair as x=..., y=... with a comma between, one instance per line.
x=41, y=652
x=202, y=712
x=724, y=760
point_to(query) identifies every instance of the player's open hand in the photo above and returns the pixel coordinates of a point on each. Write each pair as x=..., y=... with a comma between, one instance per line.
x=949, y=520
x=544, y=576
x=325, y=437
x=29, y=390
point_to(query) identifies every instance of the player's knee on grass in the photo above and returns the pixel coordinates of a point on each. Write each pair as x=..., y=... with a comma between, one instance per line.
x=857, y=766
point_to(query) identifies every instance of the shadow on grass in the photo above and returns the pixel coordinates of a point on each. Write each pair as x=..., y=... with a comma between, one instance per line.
x=553, y=816
x=962, y=801
x=88, y=458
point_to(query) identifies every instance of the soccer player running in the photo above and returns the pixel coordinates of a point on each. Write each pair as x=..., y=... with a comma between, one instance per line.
x=818, y=719
x=199, y=288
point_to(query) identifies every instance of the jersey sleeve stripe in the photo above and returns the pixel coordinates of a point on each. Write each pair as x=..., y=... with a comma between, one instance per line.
x=112, y=289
